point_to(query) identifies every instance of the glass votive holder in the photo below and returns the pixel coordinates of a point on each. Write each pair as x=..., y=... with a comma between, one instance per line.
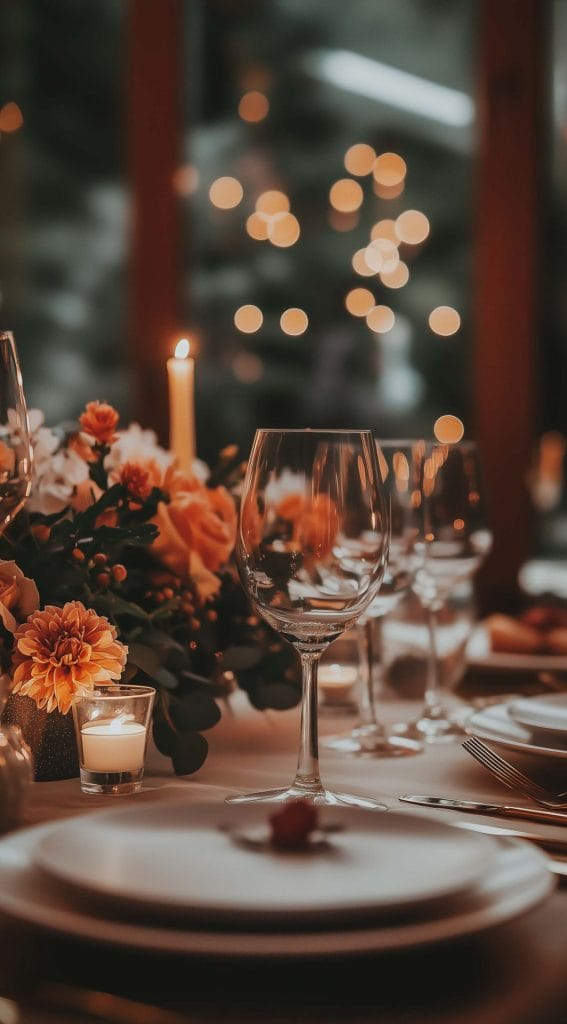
x=338, y=676
x=112, y=728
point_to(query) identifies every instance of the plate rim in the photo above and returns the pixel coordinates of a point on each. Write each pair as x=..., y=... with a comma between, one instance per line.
x=506, y=906
x=552, y=699
x=480, y=856
x=524, y=746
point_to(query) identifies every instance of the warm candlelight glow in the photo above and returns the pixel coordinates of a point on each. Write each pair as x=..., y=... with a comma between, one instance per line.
x=226, y=193
x=397, y=277
x=359, y=159
x=182, y=348
x=346, y=195
x=448, y=429
x=359, y=301
x=444, y=320
x=412, y=227
x=389, y=169
x=381, y=319
x=294, y=321
x=181, y=377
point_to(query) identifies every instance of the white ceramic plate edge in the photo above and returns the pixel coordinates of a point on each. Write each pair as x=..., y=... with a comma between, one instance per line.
x=24, y=897
x=475, y=728
x=51, y=850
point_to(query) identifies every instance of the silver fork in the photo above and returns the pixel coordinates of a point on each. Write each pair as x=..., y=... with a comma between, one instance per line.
x=512, y=777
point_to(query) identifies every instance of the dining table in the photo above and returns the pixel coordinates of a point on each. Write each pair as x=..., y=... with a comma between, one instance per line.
x=514, y=971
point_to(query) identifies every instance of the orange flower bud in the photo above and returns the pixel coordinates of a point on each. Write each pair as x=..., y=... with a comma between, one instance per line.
x=41, y=533
x=103, y=579
x=119, y=573
x=100, y=559
x=78, y=555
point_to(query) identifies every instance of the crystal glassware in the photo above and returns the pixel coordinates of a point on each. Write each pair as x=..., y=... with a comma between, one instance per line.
x=454, y=540
x=311, y=550
x=15, y=443
x=400, y=467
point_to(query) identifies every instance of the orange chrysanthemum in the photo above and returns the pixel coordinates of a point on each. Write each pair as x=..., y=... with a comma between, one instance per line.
x=100, y=420
x=62, y=653
x=140, y=477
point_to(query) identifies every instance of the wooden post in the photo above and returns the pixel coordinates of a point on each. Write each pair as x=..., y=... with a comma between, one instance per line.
x=154, y=30
x=508, y=222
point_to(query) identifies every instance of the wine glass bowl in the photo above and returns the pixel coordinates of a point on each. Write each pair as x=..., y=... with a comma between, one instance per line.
x=311, y=551
x=453, y=542
x=400, y=469
x=15, y=441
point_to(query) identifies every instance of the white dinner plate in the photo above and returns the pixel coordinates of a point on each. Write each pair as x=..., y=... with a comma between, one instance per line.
x=480, y=655
x=496, y=724
x=544, y=716
x=517, y=880
x=179, y=859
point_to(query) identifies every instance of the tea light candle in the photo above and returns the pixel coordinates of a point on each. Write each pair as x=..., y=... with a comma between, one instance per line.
x=336, y=681
x=181, y=376
x=115, y=746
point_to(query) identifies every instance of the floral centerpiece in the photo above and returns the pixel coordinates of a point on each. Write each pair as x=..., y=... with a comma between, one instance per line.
x=119, y=566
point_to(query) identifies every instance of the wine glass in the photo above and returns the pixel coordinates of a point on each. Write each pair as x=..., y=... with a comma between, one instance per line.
x=454, y=540
x=311, y=550
x=400, y=463
x=15, y=442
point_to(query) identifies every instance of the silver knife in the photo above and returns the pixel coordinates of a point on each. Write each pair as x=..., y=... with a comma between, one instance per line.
x=497, y=810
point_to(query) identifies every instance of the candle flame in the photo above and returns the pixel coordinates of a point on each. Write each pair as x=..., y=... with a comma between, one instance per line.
x=117, y=724
x=182, y=349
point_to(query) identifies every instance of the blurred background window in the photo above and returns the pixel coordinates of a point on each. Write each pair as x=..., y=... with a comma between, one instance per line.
x=327, y=187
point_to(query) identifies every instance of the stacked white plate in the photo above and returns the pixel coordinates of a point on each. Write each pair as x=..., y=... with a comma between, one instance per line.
x=529, y=725
x=171, y=877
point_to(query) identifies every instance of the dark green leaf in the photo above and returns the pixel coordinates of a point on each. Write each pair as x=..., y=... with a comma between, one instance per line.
x=166, y=678
x=144, y=657
x=195, y=711
x=164, y=737
x=189, y=753
x=279, y=696
x=237, y=659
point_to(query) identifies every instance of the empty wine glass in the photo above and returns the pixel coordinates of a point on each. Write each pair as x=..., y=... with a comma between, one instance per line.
x=312, y=544
x=15, y=443
x=454, y=539
x=400, y=463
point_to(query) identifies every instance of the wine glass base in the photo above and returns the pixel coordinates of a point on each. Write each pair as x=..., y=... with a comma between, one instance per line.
x=321, y=798
x=432, y=730
x=361, y=744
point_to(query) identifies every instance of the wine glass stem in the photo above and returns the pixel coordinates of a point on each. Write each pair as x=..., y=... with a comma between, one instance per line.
x=433, y=702
x=372, y=637
x=307, y=775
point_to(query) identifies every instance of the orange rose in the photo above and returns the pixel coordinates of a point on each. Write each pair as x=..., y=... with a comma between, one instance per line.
x=197, y=530
x=100, y=420
x=18, y=595
x=315, y=522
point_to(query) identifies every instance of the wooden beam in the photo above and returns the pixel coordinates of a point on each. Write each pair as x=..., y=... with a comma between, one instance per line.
x=153, y=110
x=512, y=116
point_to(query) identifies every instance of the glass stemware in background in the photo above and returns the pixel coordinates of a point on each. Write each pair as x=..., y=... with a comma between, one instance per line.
x=400, y=466
x=313, y=540
x=454, y=539
x=15, y=443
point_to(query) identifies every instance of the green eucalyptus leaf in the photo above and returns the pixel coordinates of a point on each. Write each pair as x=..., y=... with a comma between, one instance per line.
x=279, y=696
x=163, y=735
x=166, y=678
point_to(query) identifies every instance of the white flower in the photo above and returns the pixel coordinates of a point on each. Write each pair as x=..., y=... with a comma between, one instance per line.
x=56, y=476
x=135, y=445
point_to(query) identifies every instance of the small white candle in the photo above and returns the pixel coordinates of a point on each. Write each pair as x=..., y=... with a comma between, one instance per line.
x=181, y=377
x=337, y=680
x=115, y=746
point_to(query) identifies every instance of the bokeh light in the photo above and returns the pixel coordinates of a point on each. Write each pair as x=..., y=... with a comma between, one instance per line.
x=226, y=193
x=186, y=180
x=397, y=277
x=360, y=159
x=294, y=321
x=257, y=226
x=247, y=367
x=343, y=221
x=381, y=255
x=389, y=169
x=448, y=429
x=359, y=264
x=11, y=117
x=385, y=229
x=248, y=319
x=253, y=106
x=346, y=195
x=272, y=202
x=381, y=319
x=444, y=320
x=283, y=229
x=412, y=226
x=387, y=191
x=359, y=301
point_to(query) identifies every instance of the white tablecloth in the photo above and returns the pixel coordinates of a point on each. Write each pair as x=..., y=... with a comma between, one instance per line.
x=514, y=973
